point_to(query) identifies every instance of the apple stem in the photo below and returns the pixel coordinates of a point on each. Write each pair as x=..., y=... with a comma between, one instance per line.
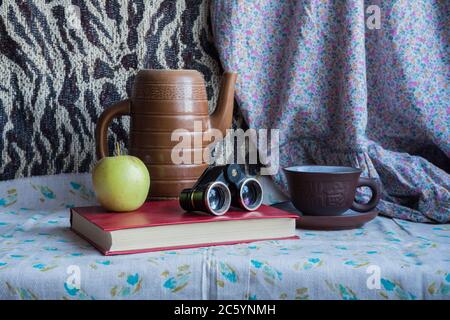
x=118, y=152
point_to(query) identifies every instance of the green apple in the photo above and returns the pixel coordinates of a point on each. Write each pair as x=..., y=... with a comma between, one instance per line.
x=121, y=183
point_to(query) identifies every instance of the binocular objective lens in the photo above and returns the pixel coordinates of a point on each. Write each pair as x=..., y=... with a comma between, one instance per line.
x=216, y=198
x=251, y=194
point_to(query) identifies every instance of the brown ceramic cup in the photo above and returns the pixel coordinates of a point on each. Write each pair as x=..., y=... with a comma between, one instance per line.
x=328, y=190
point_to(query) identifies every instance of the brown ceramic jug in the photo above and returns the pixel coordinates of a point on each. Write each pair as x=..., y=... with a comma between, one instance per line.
x=161, y=102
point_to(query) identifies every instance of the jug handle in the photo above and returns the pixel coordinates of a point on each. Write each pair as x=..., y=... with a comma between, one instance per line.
x=121, y=108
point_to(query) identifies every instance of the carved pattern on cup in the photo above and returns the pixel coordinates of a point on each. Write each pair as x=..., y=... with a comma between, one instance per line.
x=335, y=194
x=325, y=194
x=313, y=194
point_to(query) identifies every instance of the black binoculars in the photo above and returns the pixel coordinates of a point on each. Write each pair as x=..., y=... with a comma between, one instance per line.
x=219, y=187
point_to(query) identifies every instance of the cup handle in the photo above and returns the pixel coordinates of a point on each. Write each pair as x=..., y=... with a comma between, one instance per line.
x=374, y=186
x=101, y=130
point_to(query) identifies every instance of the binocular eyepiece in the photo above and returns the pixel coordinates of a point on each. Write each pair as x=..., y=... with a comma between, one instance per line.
x=219, y=187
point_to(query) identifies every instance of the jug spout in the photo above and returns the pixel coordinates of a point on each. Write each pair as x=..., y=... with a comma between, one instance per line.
x=222, y=116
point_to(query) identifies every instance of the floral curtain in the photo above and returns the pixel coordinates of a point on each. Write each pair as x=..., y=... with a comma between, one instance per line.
x=349, y=82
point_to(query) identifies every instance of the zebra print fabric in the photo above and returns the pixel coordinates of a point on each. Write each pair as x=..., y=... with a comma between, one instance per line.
x=63, y=62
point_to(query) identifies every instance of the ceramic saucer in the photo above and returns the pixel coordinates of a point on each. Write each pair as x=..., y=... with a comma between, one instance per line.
x=348, y=220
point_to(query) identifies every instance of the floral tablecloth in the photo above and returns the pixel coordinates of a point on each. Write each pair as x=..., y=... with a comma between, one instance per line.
x=40, y=258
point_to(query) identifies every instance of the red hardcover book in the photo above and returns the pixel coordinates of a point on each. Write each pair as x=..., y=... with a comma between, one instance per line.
x=163, y=225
